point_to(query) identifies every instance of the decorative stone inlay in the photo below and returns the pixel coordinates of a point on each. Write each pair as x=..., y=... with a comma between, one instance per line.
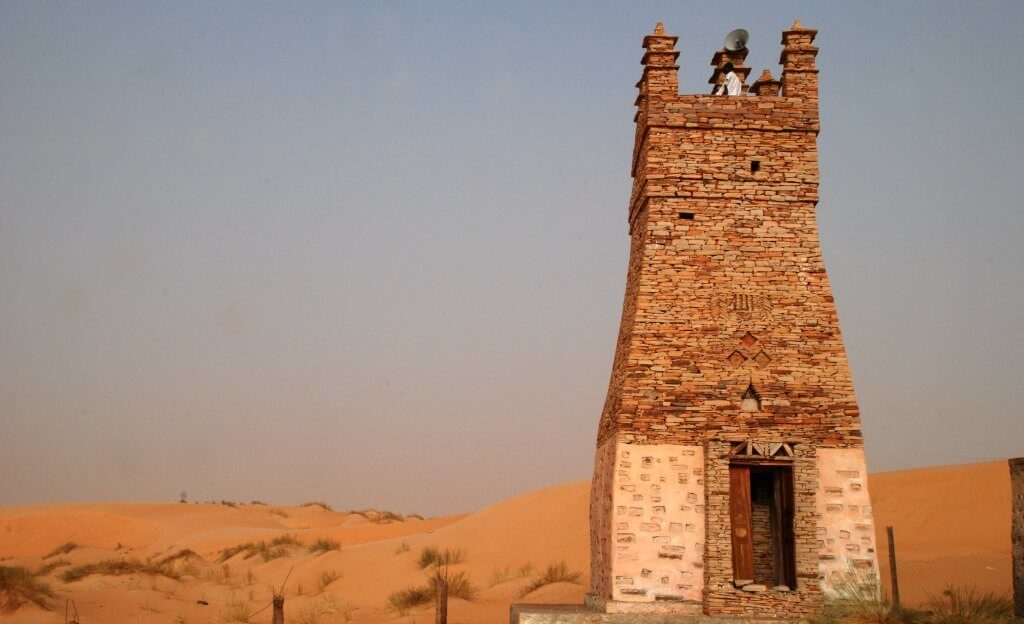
x=762, y=450
x=738, y=306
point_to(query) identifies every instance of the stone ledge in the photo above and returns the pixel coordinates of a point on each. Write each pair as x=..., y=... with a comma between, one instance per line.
x=674, y=607
x=579, y=614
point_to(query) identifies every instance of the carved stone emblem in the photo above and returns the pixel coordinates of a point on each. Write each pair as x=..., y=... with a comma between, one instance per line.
x=741, y=306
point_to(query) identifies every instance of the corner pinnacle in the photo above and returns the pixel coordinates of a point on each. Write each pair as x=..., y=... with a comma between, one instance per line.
x=797, y=25
x=766, y=75
x=659, y=29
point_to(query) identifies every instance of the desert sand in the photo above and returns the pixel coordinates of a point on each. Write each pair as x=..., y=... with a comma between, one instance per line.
x=952, y=526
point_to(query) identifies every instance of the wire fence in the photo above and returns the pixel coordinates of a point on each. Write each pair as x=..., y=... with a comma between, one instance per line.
x=921, y=581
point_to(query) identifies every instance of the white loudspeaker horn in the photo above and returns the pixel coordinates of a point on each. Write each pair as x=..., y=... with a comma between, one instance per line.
x=737, y=40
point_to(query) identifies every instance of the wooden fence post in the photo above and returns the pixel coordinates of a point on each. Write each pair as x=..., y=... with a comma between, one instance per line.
x=892, y=570
x=1017, y=532
x=441, y=609
x=278, y=610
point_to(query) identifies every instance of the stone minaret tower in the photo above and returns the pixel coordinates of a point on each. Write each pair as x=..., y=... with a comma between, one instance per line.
x=729, y=476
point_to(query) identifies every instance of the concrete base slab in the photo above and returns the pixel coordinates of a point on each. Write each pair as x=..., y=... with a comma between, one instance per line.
x=579, y=614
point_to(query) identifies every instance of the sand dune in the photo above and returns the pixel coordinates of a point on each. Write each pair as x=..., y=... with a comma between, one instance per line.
x=957, y=514
x=952, y=527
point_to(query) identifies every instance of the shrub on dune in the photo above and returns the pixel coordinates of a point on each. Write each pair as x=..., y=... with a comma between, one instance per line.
x=324, y=544
x=459, y=586
x=274, y=549
x=50, y=566
x=19, y=586
x=326, y=578
x=388, y=516
x=236, y=610
x=433, y=556
x=118, y=567
x=404, y=599
x=63, y=549
x=186, y=553
x=500, y=575
x=287, y=539
x=555, y=573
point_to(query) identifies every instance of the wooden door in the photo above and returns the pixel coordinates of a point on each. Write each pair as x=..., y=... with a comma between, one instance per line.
x=739, y=515
x=785, y=555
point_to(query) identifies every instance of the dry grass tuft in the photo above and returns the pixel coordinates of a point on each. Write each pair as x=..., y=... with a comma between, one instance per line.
x=46, y=568
x=555, y=573
x=275, y=548
x=967, y=606
x=459, y=586
x=314, y=612
x=857, y=601
x=236, y=610
x=189, y=568
x=118, y=567
x=326, y=578
x=404, y=599
x=402, y=548
x=386, y=516
x=324, y=544
x=63, y=549
x=187, y=553
x=433, y=556
x=221, y=575
x=19, y=586
x=500, y=575
x=321, y=504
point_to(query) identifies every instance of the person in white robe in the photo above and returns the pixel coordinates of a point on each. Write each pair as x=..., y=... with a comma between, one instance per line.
x=732, y=84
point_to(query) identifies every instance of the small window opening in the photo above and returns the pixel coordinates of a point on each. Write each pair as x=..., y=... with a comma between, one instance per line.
x=755, y=166
x=761, y=514
x=686, y=215
x=751, y=401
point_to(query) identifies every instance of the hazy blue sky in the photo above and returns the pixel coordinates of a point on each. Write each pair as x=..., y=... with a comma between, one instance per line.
x=375, y=253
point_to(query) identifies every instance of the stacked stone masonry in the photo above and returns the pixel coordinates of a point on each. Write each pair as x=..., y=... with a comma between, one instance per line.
x=1017, y=529
x=762, y=519
x=726, y=296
